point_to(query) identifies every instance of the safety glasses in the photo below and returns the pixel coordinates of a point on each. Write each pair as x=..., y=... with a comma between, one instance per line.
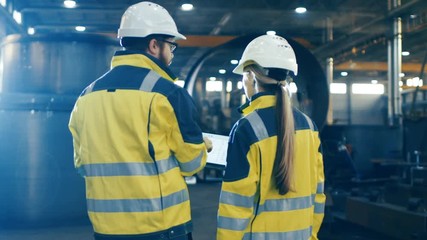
x=172, y=45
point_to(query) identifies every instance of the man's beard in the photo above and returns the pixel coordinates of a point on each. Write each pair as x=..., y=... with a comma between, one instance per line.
x=162, y=57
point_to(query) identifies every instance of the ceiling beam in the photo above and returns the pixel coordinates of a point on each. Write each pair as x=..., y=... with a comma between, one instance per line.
x=10, y=22
x=196, y=40
x=213, y=40
x=375, y=66
x=343, y=42
x=83, y=9
x=62, y=10
x=205, y=41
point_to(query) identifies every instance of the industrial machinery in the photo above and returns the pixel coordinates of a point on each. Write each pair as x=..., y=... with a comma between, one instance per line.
x=398, y=208
x=40, y=79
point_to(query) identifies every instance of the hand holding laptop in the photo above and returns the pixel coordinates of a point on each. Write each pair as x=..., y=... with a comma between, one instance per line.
x=208, y=143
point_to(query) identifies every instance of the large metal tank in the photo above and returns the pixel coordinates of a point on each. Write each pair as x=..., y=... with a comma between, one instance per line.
x=313, y=91
x=40, y=79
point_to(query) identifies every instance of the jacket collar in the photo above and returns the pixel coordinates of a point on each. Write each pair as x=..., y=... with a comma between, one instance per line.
x=143, y=60
x=259, y=100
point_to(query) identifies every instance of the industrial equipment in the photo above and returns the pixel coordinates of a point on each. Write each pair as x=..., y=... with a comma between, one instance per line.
x=40, y=78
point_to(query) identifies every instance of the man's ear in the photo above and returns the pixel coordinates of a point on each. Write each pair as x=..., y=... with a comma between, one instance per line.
x=153, y=47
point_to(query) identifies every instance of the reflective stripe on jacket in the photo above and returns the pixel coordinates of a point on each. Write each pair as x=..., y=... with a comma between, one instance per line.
x=135, y=136
x=250, y=206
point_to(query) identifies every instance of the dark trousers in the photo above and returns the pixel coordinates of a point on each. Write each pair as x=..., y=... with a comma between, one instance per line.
x=146, y=237
x=180, y=232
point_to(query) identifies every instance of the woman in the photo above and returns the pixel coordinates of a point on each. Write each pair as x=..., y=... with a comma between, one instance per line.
x=273, y=182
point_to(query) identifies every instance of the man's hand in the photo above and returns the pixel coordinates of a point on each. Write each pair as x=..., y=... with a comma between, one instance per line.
x=208, y=143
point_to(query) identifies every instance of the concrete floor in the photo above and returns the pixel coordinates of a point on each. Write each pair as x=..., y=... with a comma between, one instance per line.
x=204, y=199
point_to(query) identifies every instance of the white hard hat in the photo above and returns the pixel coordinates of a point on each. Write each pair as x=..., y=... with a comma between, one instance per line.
x=146, y=18
x=269, y=51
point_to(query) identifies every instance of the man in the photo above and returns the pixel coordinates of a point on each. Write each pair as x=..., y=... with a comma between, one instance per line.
x=135, y=135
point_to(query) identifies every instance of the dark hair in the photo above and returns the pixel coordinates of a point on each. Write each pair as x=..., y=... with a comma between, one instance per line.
x=135, y=43
x=140, y=43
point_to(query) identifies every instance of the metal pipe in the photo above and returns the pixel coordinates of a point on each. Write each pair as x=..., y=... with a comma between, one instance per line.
x=330, y=79
x=349, y=99
x=395, y=68
x=329, y=69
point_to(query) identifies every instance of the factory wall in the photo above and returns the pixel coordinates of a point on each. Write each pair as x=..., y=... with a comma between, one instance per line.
x=360, y=121
x=2, y=29
x=359, y=109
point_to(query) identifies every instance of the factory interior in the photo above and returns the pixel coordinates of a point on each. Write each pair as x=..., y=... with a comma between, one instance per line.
x=360, y=78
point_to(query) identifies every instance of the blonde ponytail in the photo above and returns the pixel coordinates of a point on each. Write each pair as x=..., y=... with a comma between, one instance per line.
x=284, y=162
x=285, y=142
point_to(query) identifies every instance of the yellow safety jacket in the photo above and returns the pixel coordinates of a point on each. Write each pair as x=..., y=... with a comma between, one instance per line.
x=250, y=205
x=135, y=136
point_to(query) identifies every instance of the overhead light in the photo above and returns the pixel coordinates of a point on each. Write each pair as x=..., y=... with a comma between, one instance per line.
x=3, y=3
x=187, y=6
x=271, y=33
x=234, y=61
x=344, y=74
x=229, y=86
x=338, y=88
x=31, y=31
x=413, y=82
x=214, y=86
x=300, y=10
x=239, y=85
x=222, y=71
x=366, y=88
x=405, y=53
x=413, y=16
x=69, y=4
x=373, y=81
x=401, y=74
x=17, y=16
x=80, y=28
x=212, y=78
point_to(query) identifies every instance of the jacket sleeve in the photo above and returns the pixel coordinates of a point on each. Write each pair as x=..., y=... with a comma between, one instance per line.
x=319, y=197
x=186, y=140
x=239, y=190
x=73, y=127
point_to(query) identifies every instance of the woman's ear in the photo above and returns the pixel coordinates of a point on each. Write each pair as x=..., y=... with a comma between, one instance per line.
x=249, y=84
